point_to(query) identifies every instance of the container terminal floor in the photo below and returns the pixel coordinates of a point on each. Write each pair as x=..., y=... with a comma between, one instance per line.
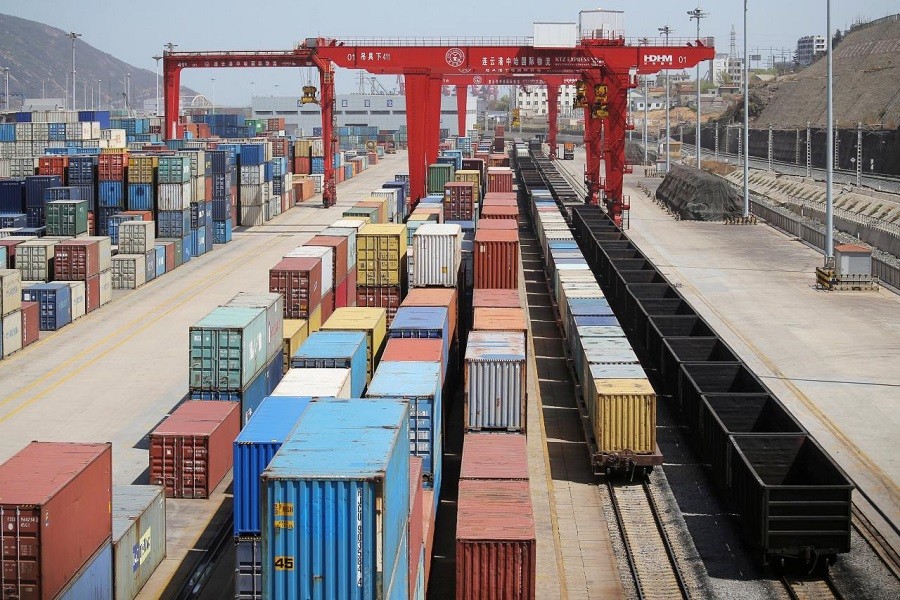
x=831, y=357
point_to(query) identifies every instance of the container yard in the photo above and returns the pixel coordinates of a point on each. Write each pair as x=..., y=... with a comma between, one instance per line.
x=240, y=360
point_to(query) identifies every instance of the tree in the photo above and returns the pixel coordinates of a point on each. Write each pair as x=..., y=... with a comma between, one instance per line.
x=838, y=36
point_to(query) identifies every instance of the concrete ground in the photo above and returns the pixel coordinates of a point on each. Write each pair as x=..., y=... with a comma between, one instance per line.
x=831, y=357
x=114, y=374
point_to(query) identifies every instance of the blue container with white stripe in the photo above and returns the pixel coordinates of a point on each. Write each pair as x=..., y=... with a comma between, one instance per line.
x=254, y=448
x=335, y=350
x=198, y=241
x=160, y=260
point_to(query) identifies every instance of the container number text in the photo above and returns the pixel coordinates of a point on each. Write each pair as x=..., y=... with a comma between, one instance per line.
x=284, y=563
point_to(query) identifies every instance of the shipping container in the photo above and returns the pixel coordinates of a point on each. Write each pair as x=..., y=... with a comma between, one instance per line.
x=71, y=482
x=622, y=412
x=420, y=384
x=494, y=456
x=500, y=319
x=380, y=255
x=81, y=259
x=190, y=452
x=496, y=259
x=129, y=271
x=438, y=297
x=253, y=393
x=437, y=251
x=34, y=258
x=78, y=296
x=350, y=234
x=336, y=350
x=496, y=298
x=339, y=246
x=372, y=321
x=139, y=536
x=55, y=301
x=95, y=579
x=31, y=317
x=414, y=350
x=299, y=281
x=248, y=567
x=430, y=322
x=254, y=447
x=137, y=237
x=10, y=333
x=66, y=218
x=227, y=348
x=345, y=467
x=415, y=529
x=10, y=291
x=495, y=384
x=295, y=333
x=325, y=255
x=315, y=383
x=495, y=541
x=273, y=304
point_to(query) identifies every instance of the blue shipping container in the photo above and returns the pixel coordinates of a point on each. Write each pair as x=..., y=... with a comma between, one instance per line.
x=262, y=384
x=579, y=307
x=150, y=265
x=160, y=260
x=335, y=504
x=8, y=220
x=173, y=223
x=222, y=231
x=254, y=448
x=221, y=209
x=94, y=580
x=197, y=243
x=318, y=165
x=594, y=320
x=335, y=350
x=419, y=383
x=248, y=567
x=252, y=154
x=40, y=231
x=55, y=301
x=141, y=196
x=186, y=248
x=12, y=195
x=422, y=322
x=111, y=194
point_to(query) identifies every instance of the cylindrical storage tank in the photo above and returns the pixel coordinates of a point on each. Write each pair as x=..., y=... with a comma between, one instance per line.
x=495, y=541
x=73, y=484
x=495, y=383
x=139, y=536
x=437, y=251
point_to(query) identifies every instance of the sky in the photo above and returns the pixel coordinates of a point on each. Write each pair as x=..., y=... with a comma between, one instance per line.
x=135, y=31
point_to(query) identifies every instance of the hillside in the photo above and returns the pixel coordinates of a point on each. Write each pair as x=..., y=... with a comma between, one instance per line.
x=36, y=53
x=866, y=84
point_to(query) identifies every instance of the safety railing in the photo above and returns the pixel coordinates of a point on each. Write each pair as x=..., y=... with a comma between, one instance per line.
x=436, y=41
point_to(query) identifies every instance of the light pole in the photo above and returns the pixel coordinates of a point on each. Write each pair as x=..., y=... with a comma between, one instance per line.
x=127, y=91
x=74, y=37
x=157, y=59
x=646, y=42
x=829, y=144
x=99, y=97
x=698, y=14
x=746, y=133
x=6, y=91
x=666, y=31
x=213, y=95
x=251, y=98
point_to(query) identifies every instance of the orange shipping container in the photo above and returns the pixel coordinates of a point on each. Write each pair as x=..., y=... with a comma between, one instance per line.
x=496, y=298
x=441, y=297
x=499, y=212
x=500, y=319
x=496, y=259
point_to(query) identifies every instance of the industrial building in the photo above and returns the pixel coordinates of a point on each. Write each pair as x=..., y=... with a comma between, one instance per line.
x=809, y=48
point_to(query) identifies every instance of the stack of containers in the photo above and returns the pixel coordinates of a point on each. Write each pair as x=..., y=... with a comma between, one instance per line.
x=371, y=321
x=53, y=557
x=80, y=173
x=35, y=187
x=231, y=354
x=222, y=178
x=87, y=261
x=345, y=295
x=381, y=266
x=348, y=459
x=253, y=193
x=137, y=243
x=254, y=448
x=341, y=274
x=111, y=167
x=201, y=234
x=336, y=350
x=326, y=256
x=175, y=194
x=11, y=326
x=299, y=281
x=142, y=171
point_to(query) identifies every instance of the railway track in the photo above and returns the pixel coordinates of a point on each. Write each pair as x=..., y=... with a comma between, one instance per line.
x=811, y=589
x=651, y=557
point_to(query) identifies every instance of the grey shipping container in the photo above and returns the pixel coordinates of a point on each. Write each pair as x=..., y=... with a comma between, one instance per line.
x=139, y=536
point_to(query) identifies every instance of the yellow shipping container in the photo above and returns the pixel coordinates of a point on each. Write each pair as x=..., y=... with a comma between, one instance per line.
x=302, y=147
x=351, y=214
x=380, y=254
x=315, y=320
x=623, y=416
x=423, y=210
x=372, y=321
x=295, y=333
x=140, y=168
x=473, y=177
x=380, y=203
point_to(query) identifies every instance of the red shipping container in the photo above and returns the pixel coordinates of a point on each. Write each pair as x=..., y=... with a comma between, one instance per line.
x=91, y=222
x=76, y=260
x=170, y=255
x=302, y=165
x=501, y=199
x=415, y=535
x=493, y=456
x=56, y=507
x=499, y=179
x=498, y=159
x=495, y=224
x=441, y=297
x=340, y=293
x=351, y=287
x=208, y=187
x=145, y=215
x=53, y=165
x=327, y=304
x=380, y=296
x=111, y=167
x=496, y=259
x=495, y=542
x=10, y=251
x=495, y=298
x=459, y=201
x=499, y=212
x=31, y=323
x=340, y=252
x=500, y=319
x=191, y=451
x=92, y=293
x=299, y=281
x=414, y=350
x=499, y=131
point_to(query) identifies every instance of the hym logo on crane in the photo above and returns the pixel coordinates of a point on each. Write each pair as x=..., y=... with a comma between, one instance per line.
x=658, y=59
x=455, y=57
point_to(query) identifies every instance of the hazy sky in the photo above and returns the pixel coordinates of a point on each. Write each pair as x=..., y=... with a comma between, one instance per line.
x=135, y=31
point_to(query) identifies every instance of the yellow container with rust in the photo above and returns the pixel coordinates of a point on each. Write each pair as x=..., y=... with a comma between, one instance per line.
x=371, y=321
x=140, y=168
x=295, y=333
x=380, y=254
x=623, y=415
x=315, y=320
x=472, y=176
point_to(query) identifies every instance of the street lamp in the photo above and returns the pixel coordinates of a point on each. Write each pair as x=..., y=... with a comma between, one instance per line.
x=666, y=31
x=646, y=42
x=157, y=59
x=251, y=98
x=829, y=144
x=213, y=95
x=74, y=37
x=6, y=92
x=746, y=131
x=698, y=14
x=99, y=99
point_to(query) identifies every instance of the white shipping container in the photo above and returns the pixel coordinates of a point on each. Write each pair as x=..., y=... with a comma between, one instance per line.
x=106, y=286
x=129, y=271
x=79, y=299
x=326, y=253
x=10, y=290
x=318, y=147
x=252, y=174
x=116, y=138
x=4, y=160
x=33, y=259
x=391, y=196
x=438, y=253
x=495, y=381
x=137, y=237
x=252, y=195
x=104, y=251
x=320, y=181
x=315, y=383
x=10, y=333
x=199, y=184
x=174, y=196
x=21, y=166
x=252, y=216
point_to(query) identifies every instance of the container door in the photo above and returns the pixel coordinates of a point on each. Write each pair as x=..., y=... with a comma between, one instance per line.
x=20, y=536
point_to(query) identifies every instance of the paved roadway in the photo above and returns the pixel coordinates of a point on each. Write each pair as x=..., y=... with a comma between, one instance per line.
x=832, y=357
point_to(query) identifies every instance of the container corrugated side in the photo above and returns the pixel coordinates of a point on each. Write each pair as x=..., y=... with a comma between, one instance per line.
x=624, y=415
x=437, y=252
x=336, y=349
x=346, y=460
x=225, y=334
x=296, y=331
x=254, y=448
x=315, y=383
x=371, y=320
x=494, y=456
x=495, y=381
x=323, y=253
x=94, y=580
x=274, y=306
x=139, y=536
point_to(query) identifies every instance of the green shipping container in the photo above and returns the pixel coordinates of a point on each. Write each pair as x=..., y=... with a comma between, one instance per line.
x=438, y=175
x=174, y=169
x=366, y=212
x=179, y=249
x=67, y=217
x=227, y=348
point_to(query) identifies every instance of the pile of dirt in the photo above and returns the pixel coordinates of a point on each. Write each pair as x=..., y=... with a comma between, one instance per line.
x=634, y=152
x=717, y=168
x=698, y=196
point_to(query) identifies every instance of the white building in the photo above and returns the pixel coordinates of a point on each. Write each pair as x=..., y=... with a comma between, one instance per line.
x=532, y=100
x=810, y=47
x=727, y=70
x=636, y=102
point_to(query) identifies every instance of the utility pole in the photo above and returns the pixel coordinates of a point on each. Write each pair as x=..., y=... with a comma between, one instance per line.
x=698, y=14
x=829, y=144
x=251, y=97
x=6, y=91
x=99, y=97
x=746, y=133
x=213, y=95
x=74, y=37
x=666, y=31
x=157, y=59
x=646, y=42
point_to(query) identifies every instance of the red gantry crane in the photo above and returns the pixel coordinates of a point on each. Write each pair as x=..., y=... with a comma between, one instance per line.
x=608, y=67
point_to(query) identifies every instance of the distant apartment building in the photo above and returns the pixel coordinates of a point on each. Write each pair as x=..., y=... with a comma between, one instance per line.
x=532, y=100
x=809, y=48
x=727, y=70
